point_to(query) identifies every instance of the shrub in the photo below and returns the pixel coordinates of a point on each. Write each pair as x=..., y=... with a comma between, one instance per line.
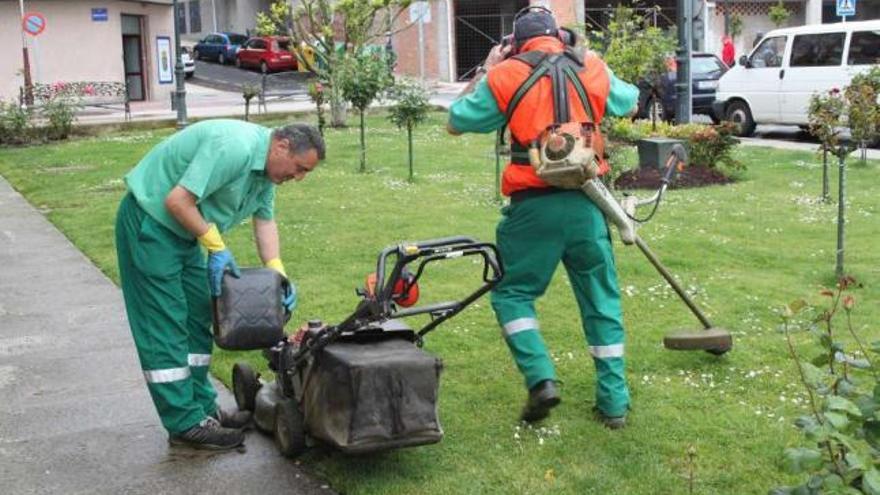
x=842, y=428
x=708, y=146
x=318, y=97
x=60, y=113
x=15, y=123
x=363, y=76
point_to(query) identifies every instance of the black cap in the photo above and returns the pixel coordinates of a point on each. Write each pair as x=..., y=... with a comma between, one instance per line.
x=534, y=23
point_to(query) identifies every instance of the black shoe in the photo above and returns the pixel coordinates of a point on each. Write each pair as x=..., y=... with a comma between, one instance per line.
x=610, y=422
x=208, y=435
x=542, y=398
x=238, y=420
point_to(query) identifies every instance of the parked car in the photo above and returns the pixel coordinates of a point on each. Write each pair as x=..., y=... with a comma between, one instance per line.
x=219, y=46
x=189, y=65
x=774, y=83
x=706, y=70
x=267, y=53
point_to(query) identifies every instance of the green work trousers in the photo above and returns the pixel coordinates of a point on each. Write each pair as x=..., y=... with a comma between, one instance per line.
x=534, y=234
x=165, y=286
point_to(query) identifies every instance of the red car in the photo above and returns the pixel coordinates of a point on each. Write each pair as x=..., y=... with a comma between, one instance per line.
x=268, y=53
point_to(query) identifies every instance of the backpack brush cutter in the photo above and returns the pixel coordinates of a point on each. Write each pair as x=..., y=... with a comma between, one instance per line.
x=711, y=339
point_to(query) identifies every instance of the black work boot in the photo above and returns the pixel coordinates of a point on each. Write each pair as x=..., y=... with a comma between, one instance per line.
x=238, y=420
x=542, y=398
x=610, y=422
x=208, y=435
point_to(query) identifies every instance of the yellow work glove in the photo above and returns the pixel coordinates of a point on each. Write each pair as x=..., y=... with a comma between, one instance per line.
x=219, y=259
x=288, y=298
x=277, y=265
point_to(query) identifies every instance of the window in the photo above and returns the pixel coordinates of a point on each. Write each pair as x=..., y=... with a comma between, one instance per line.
x=769, y=53
x=195, y=17
x=282, y=45
x=864, y=48
x=237, y=39
x=181, y=17
x=705, y=66
x=258, y=45
x=817, y=50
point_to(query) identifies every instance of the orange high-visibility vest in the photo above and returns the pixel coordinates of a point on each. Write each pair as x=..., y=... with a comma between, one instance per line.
x=535, y=110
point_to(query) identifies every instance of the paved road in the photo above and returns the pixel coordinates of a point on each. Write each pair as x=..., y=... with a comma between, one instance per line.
x=231, y=78
x=76, y=417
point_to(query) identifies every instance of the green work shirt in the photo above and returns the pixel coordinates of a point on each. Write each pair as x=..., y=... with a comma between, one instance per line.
x=478, y=111
x=222, y=162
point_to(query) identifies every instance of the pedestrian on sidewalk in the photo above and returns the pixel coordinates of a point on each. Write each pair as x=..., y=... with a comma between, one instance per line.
x=184, y=193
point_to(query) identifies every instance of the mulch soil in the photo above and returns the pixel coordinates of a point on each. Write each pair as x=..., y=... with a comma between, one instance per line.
x=692, y=176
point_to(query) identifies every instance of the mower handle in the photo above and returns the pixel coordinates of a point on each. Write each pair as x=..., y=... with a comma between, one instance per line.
x=379, y=308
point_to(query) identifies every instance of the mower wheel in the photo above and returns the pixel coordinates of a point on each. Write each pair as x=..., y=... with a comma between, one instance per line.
x=290, y=433
x=245, y=385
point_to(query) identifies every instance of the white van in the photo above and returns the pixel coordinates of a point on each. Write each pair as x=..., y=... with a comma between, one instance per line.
x=774, y=83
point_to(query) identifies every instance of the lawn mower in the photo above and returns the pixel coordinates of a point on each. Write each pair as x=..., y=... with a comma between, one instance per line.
x=364, y=385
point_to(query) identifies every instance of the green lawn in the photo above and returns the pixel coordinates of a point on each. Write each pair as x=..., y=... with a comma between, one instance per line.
x=743, y=250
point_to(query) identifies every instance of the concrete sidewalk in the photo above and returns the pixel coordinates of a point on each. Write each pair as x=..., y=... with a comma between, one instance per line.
x=76, y=416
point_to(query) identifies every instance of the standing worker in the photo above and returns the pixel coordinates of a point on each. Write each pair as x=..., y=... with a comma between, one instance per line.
x=543, y=224
x=184, y=193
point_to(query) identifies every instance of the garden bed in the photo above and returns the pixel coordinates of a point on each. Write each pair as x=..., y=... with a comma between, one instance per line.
x=650, y=178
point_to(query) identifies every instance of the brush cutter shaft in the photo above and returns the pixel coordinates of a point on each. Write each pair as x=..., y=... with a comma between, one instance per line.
x=672, y=282
x=602, y=197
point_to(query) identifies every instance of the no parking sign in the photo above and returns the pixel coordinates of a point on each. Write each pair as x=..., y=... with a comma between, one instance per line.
x=33, y=23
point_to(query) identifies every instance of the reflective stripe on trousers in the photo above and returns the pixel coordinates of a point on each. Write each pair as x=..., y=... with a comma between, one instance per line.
x=519, y=325
x=199, y=359
x=607, y=351
x=167, y=375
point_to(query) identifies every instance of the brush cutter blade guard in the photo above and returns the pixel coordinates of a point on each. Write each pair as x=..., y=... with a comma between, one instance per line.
x=714, y=340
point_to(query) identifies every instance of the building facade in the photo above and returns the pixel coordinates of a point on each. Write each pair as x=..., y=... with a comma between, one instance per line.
x=112, y=43
x=455, y=35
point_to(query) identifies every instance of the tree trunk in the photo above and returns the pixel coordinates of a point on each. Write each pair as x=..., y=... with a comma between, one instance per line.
x=363, y=145
x=826, y=197
x=841, y=213
x=338, y=113
x=409, y=141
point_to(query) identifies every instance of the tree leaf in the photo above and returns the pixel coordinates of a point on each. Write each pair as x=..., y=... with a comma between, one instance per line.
x=801, y=459
x=872, y=433
x=838, y=420
x=837, y=403
x=814, y=376
x=855, y=461
x=821, y=360
x=871, y=482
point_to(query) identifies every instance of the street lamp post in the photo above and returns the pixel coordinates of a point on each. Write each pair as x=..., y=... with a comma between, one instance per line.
x=180, y=91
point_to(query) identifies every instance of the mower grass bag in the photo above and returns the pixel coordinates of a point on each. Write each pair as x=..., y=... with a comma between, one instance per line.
x=248, y=314
x=373, y=395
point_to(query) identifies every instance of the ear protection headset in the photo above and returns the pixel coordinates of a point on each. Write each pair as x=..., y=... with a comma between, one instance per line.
x=567, y=36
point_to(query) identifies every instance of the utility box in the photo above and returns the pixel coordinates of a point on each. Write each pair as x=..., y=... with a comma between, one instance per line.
x=654, y=151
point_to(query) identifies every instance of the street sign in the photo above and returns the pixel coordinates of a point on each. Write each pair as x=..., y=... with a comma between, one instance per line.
x=420, y=11
x=33, y=23
x=846, y=8
x=99, y=14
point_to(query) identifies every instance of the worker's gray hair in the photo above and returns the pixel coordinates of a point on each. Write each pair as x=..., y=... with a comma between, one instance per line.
x=301, y=138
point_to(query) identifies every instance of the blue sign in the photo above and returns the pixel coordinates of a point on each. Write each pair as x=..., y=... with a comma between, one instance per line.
x=846, y=8
x=99, y=14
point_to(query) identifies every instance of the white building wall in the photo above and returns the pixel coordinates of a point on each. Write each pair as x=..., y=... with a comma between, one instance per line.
x=74, y=48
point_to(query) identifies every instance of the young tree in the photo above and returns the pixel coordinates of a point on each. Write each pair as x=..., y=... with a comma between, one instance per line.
x=411, y=107
x=330, y=30
x=825, y=118
x=361, y=77
x=779, y=14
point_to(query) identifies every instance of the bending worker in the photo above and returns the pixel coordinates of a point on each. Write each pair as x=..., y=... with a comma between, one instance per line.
x=184, y=193
x=543, y=224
